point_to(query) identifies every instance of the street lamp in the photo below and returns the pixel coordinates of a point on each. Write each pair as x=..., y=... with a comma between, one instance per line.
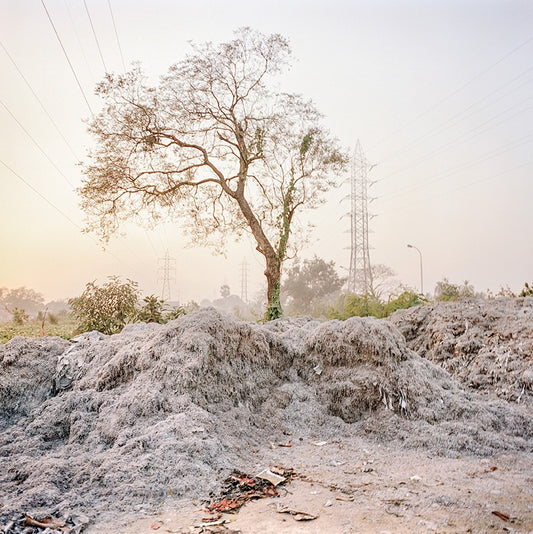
x=421, y=275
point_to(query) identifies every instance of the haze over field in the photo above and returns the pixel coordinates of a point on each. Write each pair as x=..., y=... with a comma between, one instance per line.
x=438, y=93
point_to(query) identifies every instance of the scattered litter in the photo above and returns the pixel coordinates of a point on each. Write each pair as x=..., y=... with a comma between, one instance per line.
x=415, y=478
x=240, y=488
x=501, y=515
x=273, y=478
x=155, y=526
x=328, y=503
x=317, y=369
x=284, y=444
x=212, y=523
x=344, y=497
x=296, y=515
x=319, y=443
x=47, y=521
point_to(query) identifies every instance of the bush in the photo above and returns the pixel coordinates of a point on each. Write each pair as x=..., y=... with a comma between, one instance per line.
x=351, y=305
x=19, y=316
x=152, y=311
x=446, y=291
x=406, y=299
x=107, y=308
x=527, y=291
x=369, y=305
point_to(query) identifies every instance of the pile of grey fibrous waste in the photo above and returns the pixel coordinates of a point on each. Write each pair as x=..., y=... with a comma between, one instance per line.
x=107, y=424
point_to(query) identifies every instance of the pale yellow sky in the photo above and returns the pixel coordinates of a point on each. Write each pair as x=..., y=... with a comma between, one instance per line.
x=440, y=94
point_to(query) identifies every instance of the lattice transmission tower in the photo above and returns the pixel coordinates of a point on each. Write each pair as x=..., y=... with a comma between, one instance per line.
x=360, y=273
x=244, y=281
x=167, y=272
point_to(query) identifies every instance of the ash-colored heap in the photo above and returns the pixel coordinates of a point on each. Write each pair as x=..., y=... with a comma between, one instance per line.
x=485, y=344
x=120, y=422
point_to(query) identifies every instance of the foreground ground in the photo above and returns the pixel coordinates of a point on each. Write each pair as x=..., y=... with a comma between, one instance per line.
x=354, y=486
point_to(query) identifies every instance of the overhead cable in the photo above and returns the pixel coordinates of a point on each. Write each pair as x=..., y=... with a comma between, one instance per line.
x=95, y=36
x=39, y=101
x=36, y=143
x=67, y=58
x=457, y=90
x=116, y=35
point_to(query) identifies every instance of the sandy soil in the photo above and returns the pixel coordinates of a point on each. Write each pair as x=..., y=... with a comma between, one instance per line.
x=355, y=486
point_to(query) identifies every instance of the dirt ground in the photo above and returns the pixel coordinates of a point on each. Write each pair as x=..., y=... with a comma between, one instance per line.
x=354, y=486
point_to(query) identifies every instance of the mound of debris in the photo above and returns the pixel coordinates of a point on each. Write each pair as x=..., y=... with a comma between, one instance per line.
x=26, y=378
x=121, y=422
x=485, y=344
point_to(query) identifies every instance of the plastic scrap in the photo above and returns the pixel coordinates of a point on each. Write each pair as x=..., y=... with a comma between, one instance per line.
x=46, y=522
x=296, y=514
x=273, y=478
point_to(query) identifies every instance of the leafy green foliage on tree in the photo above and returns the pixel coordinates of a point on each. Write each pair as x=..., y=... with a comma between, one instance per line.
x=107, y=308
x=215, y=143
x=309, y=281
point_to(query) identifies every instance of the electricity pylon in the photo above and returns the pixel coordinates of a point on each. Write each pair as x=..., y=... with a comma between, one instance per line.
x=360, y=273
x=168, y=270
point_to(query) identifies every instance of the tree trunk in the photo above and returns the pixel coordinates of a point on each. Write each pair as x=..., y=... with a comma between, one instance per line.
x=273, y=276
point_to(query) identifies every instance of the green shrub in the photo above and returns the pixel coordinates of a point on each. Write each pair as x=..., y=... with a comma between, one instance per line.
x=19, y=316
x=406, y=299
x=446, y=291
x=152, y=310
x=351, y=305
x=107, y=308
x=527, y=291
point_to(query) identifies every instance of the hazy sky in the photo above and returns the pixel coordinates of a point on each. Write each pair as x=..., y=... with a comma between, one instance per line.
x=439, y=93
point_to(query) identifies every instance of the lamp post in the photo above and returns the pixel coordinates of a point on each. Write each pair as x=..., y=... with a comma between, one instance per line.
x=421, y=272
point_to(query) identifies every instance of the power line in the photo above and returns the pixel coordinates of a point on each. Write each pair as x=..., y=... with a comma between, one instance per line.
x=39, y=101
x=95, y=36
x=40, y=194
x=67, y=58
x=458, y=117
x=468, y=184
x=116, y=35
x=36, y=144
x=60, y=211
x=480, y=159
x=467, y=135
x=456, y=91
x=79, y=40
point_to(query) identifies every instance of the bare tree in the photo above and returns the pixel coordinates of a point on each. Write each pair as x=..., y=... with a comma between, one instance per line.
x=213, y=144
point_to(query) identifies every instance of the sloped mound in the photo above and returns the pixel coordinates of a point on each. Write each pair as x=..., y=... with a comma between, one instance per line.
x=124, y=421
x=485, y=344
x=27, y=367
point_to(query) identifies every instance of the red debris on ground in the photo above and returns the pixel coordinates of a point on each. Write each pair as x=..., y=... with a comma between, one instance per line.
x=240, y=488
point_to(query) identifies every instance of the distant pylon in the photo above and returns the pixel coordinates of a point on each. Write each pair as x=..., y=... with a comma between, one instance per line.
x=167, y=269
x=360, y=274
x=244, y=281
